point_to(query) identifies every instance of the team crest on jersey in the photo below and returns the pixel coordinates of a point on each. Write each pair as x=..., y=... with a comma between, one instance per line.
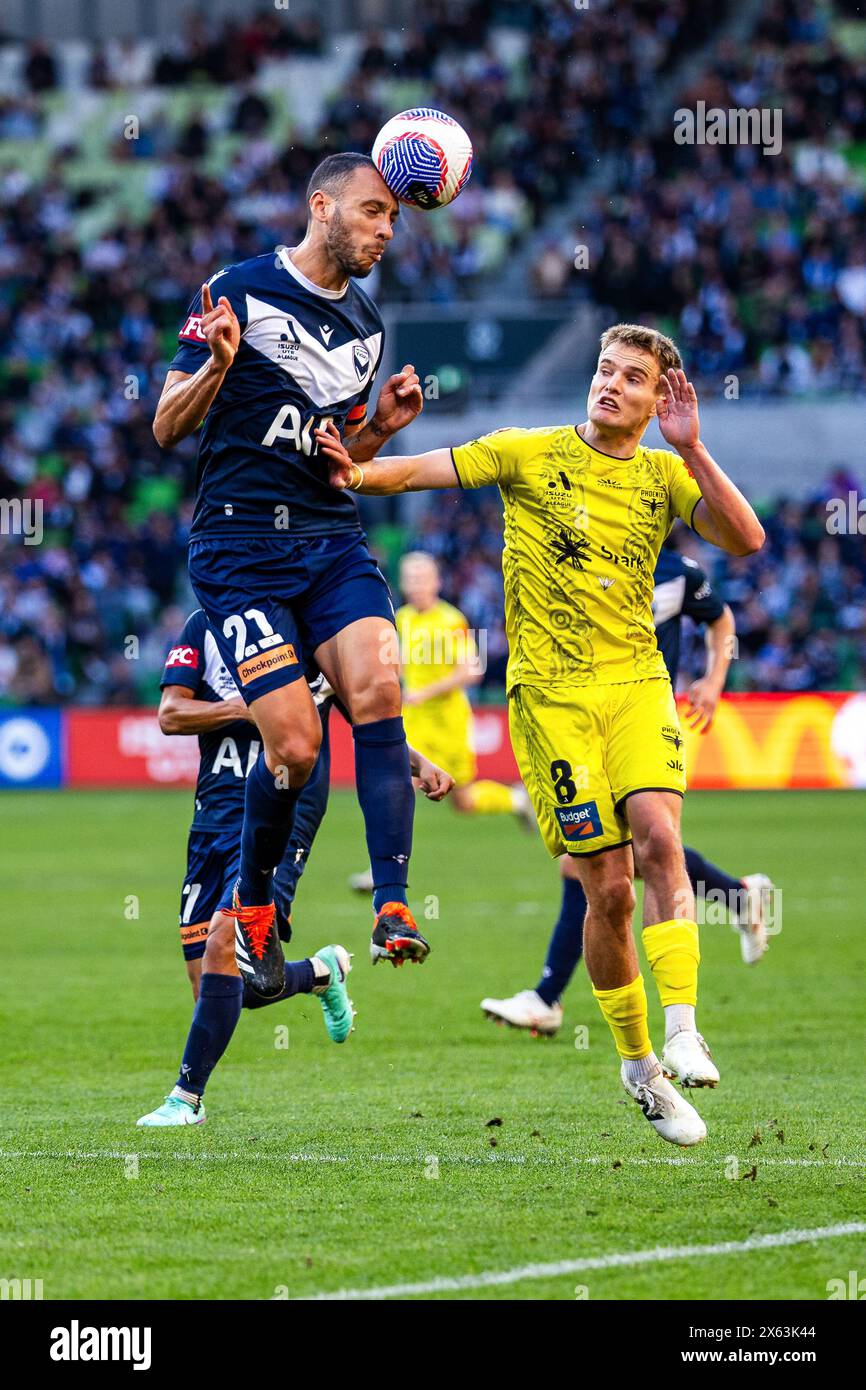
x=654, y=499
x=361, y=359
x=671, y=734
x=183, y=656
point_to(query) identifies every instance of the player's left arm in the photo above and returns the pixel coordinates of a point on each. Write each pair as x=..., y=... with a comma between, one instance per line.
x=433, y=781
x=722, y=516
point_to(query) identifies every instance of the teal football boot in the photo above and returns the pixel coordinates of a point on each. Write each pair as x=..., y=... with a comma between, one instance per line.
x=333, y=995
x=174, y=1111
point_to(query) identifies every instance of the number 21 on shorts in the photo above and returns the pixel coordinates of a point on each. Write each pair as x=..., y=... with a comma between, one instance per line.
x=236, y=626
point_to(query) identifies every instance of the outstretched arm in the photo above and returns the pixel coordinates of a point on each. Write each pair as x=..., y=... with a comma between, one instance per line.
x=382, y=478
x=723, y=516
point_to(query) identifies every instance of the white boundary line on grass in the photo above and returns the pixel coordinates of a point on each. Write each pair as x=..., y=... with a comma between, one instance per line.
x=661, y=1254
x=456, y=1160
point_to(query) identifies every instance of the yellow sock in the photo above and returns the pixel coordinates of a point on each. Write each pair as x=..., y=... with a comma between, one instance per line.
x=488, y=798
x=673, y=951
x=625, y=1009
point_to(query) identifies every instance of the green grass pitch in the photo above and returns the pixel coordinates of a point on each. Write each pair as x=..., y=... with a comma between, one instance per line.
x=376, y=1164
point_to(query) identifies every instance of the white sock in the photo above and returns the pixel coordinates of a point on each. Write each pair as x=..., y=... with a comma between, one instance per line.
x=679, y=1018
x=189, y=1096
x=322, y=974
x=639, y=1069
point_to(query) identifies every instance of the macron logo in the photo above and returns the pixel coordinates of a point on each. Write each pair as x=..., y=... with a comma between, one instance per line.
x=77, y=1343
x=326, y=330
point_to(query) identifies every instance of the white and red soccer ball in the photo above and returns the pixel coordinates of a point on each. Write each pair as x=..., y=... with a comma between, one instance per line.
x=424, y=156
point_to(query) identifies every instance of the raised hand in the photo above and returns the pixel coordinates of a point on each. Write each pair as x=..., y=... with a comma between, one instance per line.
x=677, y=411
x=220, y=328
x=400, y=400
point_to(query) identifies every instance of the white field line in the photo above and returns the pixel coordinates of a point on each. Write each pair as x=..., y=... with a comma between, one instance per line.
x=456, y=1160
x=661, y=1254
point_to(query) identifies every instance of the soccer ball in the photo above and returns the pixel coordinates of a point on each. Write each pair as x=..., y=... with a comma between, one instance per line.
x=424, y=156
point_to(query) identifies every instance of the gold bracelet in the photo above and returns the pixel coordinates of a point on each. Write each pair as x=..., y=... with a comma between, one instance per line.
x=357, y=477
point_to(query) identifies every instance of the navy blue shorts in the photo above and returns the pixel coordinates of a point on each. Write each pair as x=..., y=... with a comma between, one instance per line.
x=272, y=601
x=212, y=867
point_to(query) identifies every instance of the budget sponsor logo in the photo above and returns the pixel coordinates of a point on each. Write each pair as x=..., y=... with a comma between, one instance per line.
x=579, y=822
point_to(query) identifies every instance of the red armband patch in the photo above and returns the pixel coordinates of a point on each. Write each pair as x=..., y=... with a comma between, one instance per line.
x=191, y=331
x=183, y=656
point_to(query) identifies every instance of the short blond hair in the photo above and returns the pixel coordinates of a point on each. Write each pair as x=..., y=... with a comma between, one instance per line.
x=412, y=557
x=637, y=335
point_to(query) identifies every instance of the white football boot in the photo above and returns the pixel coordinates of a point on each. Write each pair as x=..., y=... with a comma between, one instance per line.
x=686, y=1059
x=752, y=921
x=669, y=1113
x=525, y=1010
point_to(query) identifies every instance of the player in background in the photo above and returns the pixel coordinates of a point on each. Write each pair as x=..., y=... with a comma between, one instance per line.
x=277, y=559
x=439, y=662
x=592, y=714
x=682, y=589
x=200, y=697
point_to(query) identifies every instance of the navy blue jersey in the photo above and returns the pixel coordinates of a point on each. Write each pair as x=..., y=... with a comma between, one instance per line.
x=681, y=590
x=306, y=355
x=226, y=754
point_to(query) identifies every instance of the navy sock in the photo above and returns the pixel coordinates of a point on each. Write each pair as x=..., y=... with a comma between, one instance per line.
x=706, y=877
x=387, y=800
x=310, y=809
x=268, y=814
x=566, y=943
x=300, y=978
x=213, y=1022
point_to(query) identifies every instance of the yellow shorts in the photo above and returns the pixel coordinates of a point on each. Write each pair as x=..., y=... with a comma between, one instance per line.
x=445, y=740
x=583, y=750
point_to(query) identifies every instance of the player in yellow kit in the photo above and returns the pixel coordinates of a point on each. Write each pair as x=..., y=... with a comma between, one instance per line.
x=592, y=716
x=439, y=661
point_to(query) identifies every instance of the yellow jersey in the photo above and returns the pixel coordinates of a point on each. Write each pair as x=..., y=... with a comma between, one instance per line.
x=582, y=535
x=432, y=643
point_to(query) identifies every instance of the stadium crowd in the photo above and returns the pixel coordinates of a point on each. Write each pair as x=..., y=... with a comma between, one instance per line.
x=750, y=260
x=91, y=621
x=755, y=261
